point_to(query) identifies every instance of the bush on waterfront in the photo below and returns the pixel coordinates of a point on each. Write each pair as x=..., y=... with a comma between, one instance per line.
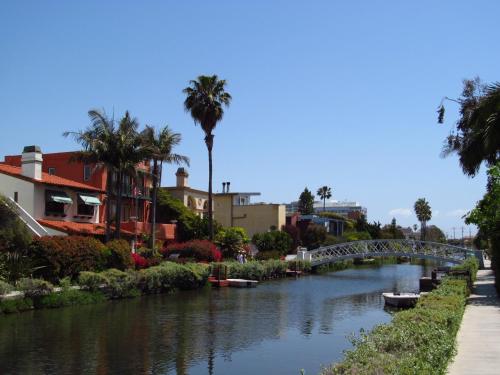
x=62, y=256
x=417, y=341
x=34, y=287
x=336, y=266
x=273, y=241
x=70, y=297
x=199, y=250
x=314, y=236
x=121, y=284
x=119, y=255
x=299, y=265
x=92, y=281
x=470, y=265
x=169, y=276
x=260, y=270
x=16, y=305
x=5, y=287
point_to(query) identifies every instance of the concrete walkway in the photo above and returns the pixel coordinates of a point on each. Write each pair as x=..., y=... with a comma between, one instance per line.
x=478, y=340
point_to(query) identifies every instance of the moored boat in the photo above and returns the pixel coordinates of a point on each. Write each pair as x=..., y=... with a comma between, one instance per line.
x=401, y=299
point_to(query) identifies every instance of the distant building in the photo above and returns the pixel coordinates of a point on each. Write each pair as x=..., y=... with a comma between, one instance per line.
x=194, y=199
x=349, y=210
x=229, y=209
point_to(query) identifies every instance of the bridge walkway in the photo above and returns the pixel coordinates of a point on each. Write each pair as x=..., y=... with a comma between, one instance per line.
x=478, y=340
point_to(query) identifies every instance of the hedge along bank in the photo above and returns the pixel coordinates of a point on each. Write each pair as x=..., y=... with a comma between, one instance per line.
x=417, y=341
x=105, y=285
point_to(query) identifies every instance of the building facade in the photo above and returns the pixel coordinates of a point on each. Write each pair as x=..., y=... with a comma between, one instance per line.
x=72, y=212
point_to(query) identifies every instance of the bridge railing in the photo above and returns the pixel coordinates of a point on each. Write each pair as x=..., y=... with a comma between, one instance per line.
x=389, y=247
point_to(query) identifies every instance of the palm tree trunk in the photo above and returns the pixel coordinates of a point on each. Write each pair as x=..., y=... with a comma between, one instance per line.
x=153, y=209
x=108, y=203
x=118, y=216
x=324, y=203
x=209, y=140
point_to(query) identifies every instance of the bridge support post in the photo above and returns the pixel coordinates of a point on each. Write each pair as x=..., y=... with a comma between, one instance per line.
x=304, y=255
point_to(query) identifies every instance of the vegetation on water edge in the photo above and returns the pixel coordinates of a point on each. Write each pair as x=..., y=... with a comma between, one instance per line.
x=417, y=341
x=262, y=270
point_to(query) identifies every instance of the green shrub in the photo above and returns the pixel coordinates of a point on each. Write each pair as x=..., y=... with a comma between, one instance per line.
x=273, y=241
x=92, y=280
x=417, y=341
x=62, y=256
x=5, y=287
x=470, y=265
x=265, y=255
x=70, y=297
x=231, y=241
x=34, y=287
x=16, y=305
x=121, y=284
x=120, y=255
x=169, y=276
x=314, y=236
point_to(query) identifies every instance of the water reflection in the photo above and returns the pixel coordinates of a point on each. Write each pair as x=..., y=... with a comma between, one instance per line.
x=213, y=331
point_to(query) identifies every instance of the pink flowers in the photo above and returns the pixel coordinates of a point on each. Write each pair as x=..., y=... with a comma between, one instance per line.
x=139, y=261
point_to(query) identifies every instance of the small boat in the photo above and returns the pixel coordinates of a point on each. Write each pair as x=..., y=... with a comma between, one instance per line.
x=401, y=299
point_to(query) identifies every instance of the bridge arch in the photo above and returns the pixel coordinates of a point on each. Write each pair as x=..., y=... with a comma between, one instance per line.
x=373, y=248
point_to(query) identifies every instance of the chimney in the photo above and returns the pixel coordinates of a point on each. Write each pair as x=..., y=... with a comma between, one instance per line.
x=182, y=177
x=223, y=187
x=31, y=162
x=227, y=184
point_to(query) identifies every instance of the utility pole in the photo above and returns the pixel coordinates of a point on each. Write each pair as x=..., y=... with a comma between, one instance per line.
x=453, y=233
x=463, y=242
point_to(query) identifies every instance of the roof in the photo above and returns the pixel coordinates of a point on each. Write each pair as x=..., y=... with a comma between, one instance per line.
x=238, y=193
x=183, y=188
x=72, y=227
x=46, y=178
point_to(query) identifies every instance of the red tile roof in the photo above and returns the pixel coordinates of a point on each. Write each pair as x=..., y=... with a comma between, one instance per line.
x=46, y=178
x=71, y=227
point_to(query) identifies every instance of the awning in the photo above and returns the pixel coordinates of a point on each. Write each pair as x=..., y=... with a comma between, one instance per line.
x=59, y=197
x=89, y=200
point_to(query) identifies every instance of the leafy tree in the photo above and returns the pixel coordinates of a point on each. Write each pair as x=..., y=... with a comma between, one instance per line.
x=15, y=239
x=434, y=234
x=372, y=229
x=306, y=202
x=486, y=215
x=392, y=231
x=314, y=236
x=424, y=214
x=324, y=193
x=231, y=241
x=476, y=137
x=294, y=234
x=205, y=99
x=158, y=147
x=273, y=241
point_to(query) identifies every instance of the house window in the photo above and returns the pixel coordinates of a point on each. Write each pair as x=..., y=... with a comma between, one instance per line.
x=87, y=171
x=55, y=202
x=52, y=171
x=16, y=197
x=85, y=209
x=87, y=204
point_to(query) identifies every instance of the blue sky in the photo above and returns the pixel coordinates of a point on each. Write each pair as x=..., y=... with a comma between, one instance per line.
x=324, y=92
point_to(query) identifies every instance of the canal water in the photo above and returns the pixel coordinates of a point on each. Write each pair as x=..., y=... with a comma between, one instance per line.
x=279, y=327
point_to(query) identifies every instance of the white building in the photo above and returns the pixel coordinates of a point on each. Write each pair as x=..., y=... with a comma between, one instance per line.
x=48, y=204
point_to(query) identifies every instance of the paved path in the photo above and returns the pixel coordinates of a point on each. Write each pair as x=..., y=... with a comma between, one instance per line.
x=479, y=335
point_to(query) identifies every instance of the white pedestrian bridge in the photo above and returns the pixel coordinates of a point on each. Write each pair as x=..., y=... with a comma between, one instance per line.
x=382, y=248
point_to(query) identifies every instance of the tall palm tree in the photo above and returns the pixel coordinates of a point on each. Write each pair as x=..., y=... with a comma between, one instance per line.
x=98, y=144
x=158, y=147
x=205, y=99
x=129, y=153
x=324, y=193
x=117, y=148
x=424, y=214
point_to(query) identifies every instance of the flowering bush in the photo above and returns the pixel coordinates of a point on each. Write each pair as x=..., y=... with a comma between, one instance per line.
x=139, y=261
x=61, y=256
x=200, y=250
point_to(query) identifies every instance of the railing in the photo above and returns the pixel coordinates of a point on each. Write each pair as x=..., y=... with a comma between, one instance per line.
x=361, y=249
x=33, y=225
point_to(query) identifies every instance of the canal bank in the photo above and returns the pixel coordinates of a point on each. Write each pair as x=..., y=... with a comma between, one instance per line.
x=287, y=324
x=478, y=340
